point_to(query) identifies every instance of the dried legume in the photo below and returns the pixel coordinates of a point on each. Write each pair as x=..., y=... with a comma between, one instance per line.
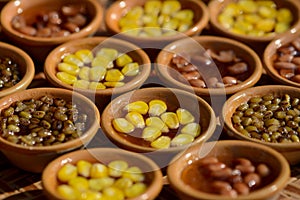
x=9, y=73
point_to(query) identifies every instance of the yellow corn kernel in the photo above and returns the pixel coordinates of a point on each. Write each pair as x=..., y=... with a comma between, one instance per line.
x=267, y=3
x=117, y=167
x=231, y=10
x=185, y=15
x=67, y=172
x=266, y=25
x=247, y=6
x=169, y=7
x=96, y=86
x=113, y=193
x=157, y=107
x=156, y=122
x=163, y=142
x=109, y=53
x=84, y=168
x=136, y=119
x=82, y=84
x=243, y=26
x=172, y=24
x=97, y=73
x=149, y=19
x=252, y=18
x=138, y=106
x=131, y=69
x=114, y=75
x=134, y=173
x=113, y=84
x=98, y=170
x=163, y=18
x=79, y=183
x=129, y=30
x=123, y=59
x=73, y=60
x=152, y=7
x=135, y=13
x=150, y=133
x=66, y=78
x=184, y=116
x=193, y=129
x=226, y=21
x=67, y=192
x=68, y=68
x=267, y=12
x=85, y=55
x=90, y=195
x=123, y=183
x=182, y=27
x=170, y=119
x=98, y=184
x=102, y=61
x=182, y=139
x=153, y=31
x=281, y=27
x=135, y=190
x=284, y=15
x=84, y=73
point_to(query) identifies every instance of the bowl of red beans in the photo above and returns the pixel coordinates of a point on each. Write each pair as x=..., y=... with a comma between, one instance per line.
x=39, y=124
x=268, y=115
x=281, y=59
x=229, y=169
x=17, y=69
x=101, y=68
x=102, y=173
x=254, y=22
x=39, y=26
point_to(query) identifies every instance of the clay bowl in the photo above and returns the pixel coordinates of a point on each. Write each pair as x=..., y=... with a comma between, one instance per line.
x=226, y=151
x=100, y=96
x=215, y=8
x=199, y=45
x=174, y=98
x=35, y=158
x=119, y=8
x=38, y=47
x=152, y=173
x=25, y=67
x=289, y=150
x=285, y=76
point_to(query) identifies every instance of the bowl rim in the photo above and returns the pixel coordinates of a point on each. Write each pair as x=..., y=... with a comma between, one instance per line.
x=58, y=148
x=196, y=28
x=120, y=141
x=27, y=76
x=247, y=94
x=212, y=5
x=134, y=83
x=163, y=73
x=87, y=30
x=270, y=50
x=55, y=164
x=279, y=182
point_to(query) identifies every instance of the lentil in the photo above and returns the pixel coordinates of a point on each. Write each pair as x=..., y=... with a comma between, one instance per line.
x=26, y=123
x=9, y=73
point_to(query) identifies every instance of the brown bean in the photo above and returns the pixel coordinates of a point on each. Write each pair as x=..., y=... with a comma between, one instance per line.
x=229, y=80
x=284, y=65
x=245, y=169
x=73, y=28
x=223, y=173
x=221, y=185
x=286, y=58
x=18, y=22
x=286, y=49
x=252, y=179
x=28, y=30
x=44, y=32
x=296, y=43
x=197, y=83
x=208, y=160
x=242, y=161
x=287, y=73
x=181, y=60
x=71, y=10
x=263, y=170
x=226, y=56
x=188, y=68
x=238, y=68
x=296, y=60
x=54, y=18
x=212, y=82
x=191, y=75
x=79, y=20
x=241, y=188
x=215, y=166
x=296, y=78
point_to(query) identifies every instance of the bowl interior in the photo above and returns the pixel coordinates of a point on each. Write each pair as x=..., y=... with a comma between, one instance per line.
x=216, y=6
x=198, y=44
x=104, y=155
x=226, y=151
x=174, y=99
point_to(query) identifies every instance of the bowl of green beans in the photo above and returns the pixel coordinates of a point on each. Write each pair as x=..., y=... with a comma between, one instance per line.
x=268, y=115
x=39, y=124
x=254, y=21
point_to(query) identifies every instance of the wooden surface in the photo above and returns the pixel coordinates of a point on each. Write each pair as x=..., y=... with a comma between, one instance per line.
x=16, y=184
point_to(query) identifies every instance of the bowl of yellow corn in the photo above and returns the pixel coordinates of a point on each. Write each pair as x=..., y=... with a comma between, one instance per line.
x=254, y=21
x=98, y=67
x=102, y=173
x=155, y=23
x=159, y=121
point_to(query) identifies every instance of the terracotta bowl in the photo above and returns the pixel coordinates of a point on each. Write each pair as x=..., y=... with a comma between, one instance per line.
x=215, y=7
x=226, y=151
x=100, y=96
x=39, y=47
x=35, y=158
x=290, y=150
x=199, y=45
x=174, y=98
x=104, y=155
x=271, y=55
x=119, y=8
x=25, y=66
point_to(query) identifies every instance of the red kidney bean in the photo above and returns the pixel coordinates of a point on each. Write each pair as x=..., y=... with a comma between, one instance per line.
x=263, y=170
x=28, y=30
x=197, y=83
x=242, y=161
x=229, y=80
x=252, y=179
x=284, y=65
x=215, y=166
x=241, y=188
x=245, y=168
x=238, y=68
x=222, y=174
x=208, y=160
x=192, y=75
x=287, y=73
